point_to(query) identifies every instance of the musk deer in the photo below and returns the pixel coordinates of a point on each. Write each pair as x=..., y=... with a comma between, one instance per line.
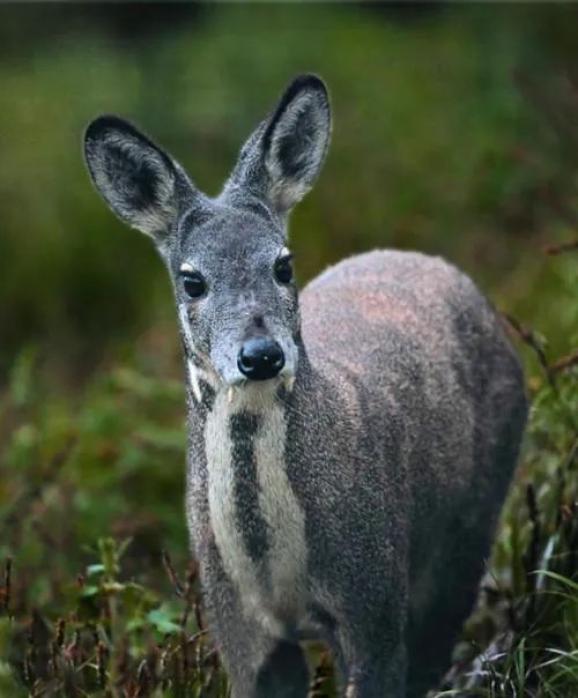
x=349, y=447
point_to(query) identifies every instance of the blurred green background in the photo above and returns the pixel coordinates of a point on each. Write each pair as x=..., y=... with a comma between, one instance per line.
x=455, y=133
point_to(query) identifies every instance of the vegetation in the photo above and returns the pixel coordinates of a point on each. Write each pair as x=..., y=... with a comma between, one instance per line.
x=116, y=619
x=523, y=638
x=460, y=127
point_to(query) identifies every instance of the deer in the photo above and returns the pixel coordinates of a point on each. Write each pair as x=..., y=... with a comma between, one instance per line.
x=350, y=446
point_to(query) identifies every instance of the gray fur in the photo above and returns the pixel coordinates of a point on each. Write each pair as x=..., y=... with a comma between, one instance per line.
x=353, y=498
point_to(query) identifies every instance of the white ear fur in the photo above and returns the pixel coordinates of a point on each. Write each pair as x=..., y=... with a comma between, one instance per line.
x=296, y=141
x=136, y=178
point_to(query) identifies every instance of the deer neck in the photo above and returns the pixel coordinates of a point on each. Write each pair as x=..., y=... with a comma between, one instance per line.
x=256, y=518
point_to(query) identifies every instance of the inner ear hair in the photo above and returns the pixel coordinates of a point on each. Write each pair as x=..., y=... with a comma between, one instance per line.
x=296, y=140
x=134, y=176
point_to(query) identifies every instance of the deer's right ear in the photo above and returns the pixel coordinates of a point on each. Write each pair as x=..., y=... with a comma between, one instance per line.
x=136, y=178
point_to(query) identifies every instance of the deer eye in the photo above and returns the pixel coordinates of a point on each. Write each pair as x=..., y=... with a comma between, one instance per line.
x=194, y=284
x=284, y=269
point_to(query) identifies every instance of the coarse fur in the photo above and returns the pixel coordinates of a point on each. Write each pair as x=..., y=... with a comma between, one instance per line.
x=353, y=498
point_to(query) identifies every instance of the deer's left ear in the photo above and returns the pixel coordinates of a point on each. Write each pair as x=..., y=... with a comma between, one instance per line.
x=295, y=141
x=136, y=178
x=282, y=158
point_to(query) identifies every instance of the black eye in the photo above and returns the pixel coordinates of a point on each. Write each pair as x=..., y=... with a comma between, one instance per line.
x=284, y=270
x=194, y=284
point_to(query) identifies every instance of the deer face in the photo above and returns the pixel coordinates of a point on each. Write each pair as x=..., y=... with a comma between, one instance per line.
x=234, y=287
x=228, y=256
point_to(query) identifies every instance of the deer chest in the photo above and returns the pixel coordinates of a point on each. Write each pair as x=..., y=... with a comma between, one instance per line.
x=257, y=521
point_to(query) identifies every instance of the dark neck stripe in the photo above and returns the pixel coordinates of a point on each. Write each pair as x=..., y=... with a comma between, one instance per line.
x=252, y=526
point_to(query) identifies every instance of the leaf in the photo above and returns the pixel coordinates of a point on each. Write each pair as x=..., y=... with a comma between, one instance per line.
x=92, y=570
x=161, y=620
x=559, y=578
x=89, y=590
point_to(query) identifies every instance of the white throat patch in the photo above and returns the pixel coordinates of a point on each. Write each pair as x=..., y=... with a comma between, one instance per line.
x=286, y=554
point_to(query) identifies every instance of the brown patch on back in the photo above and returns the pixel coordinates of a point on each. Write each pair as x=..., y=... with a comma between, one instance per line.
x=358, y=302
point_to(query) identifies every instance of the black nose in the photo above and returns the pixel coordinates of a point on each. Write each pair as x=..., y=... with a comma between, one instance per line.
x=260, y=359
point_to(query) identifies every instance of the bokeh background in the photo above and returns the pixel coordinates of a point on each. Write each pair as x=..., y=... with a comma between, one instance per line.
x=455, y=133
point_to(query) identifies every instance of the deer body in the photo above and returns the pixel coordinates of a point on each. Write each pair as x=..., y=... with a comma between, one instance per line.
x=349, y=451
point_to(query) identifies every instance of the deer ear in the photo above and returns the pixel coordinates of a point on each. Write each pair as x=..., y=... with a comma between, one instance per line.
x=295, y=141
x=137, y=179
x=283, y=156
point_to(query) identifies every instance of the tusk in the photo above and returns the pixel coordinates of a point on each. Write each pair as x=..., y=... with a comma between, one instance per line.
x=190, y=348
x=194, y=381
x=290, y=383
x=231, y=394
